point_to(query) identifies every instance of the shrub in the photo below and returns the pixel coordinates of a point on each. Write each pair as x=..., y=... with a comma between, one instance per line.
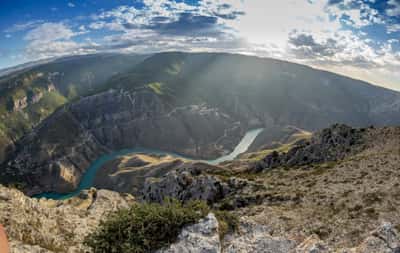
x=144, y=227
x=228, y=222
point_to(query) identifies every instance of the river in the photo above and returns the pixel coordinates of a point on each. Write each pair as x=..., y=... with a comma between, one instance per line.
x=88, y=177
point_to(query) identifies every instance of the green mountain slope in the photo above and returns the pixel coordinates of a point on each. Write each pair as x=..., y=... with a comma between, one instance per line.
x=29, y=96
x=264, y=89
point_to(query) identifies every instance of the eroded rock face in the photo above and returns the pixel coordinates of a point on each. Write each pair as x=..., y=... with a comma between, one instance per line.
x=256, y=238
x=39, y=225
x=198, y=238
x=192, y=182
x=330, y=144
x=384, y=239
x=203, y=237
x=184, y=184
x=122, y=119
x=56, y=154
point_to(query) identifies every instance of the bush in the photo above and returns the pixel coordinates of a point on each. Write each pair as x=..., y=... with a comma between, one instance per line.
x=145, y=227
x=228, y=222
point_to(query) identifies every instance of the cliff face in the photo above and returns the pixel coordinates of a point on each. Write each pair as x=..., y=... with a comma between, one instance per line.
x=30, y=94
x=203, y=237
x=143, y=118
x=55, y=155
x=37, y=226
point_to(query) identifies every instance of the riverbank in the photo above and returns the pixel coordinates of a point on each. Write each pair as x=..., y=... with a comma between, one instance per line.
x=90, y=174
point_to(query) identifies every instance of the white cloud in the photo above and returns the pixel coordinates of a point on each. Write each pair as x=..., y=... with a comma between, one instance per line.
x=395, y=8
x=52, y=40
x=393, y=28
x=71, y=5
x=309, y=32
x=50, y=32
x=23, y=26
x=355, y=13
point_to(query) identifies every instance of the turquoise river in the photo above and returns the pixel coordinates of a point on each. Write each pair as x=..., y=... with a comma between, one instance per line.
x=88, y=177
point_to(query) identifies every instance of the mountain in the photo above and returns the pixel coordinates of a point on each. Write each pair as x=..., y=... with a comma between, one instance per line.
x=22, y=67
x=31, y=94
x=263, y=90
x=194, y=104
x=345, y=199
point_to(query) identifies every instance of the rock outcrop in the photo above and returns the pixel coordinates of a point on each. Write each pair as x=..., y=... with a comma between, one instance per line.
x=39, y=225
x=252, y=237
x=203, y=238
x=198, y=238
x=193, y=181
x=330, y=144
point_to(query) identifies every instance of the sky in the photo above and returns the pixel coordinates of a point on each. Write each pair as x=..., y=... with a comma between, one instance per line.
x=357, y=38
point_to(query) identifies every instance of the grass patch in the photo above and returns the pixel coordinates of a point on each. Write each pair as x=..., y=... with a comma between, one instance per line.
x=156, y=87
x=145, y=227
x=46, y=106
x=174, y=69
x=228, y=222
x=278, y=146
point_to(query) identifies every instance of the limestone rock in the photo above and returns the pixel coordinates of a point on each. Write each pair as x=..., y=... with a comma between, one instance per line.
x=192, y=182
x=256, y=238
x=330, y=144
x=184, y=185
x=198, y=238
x=42, y=226
x=312, y=245
x=384, y=239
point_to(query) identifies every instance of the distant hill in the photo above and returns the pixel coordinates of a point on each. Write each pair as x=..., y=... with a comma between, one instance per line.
x=264, y=90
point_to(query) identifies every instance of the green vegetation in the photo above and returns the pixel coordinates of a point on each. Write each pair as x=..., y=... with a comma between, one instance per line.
x=147, y=227
x=72, y=92
x=156, y=87
x=227, y=221
x=278, y=146
x=32, y=95
x=47, y=105
x=283, y=148
x=174, y=69
x=18, y=122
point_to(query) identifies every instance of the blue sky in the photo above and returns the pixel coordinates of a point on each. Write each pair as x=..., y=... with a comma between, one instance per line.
x=358, y=38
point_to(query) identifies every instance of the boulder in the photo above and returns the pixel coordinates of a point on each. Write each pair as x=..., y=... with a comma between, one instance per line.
x=198, y=238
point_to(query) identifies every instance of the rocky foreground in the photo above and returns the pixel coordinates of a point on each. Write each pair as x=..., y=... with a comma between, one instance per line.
x=45, y=226
x=343, y=198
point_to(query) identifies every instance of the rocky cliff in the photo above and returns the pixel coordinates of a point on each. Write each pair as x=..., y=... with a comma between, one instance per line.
x=45, y=226
x=203, y=237
x=56, y=154
x=37, y=226
x=31, y=93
